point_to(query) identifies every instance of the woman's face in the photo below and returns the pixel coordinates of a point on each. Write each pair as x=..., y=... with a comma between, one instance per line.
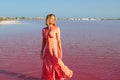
x=52, y=20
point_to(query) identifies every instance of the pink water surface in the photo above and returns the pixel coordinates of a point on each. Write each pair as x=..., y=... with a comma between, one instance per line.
x=90, y=48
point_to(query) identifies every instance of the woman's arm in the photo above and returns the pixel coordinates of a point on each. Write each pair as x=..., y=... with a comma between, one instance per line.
x=43, y=43
x=59, y=42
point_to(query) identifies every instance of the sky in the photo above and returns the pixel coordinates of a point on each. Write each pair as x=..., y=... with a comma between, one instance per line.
x=61, y=8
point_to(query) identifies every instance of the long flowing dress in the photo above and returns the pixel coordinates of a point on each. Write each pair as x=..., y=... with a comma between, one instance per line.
x=53, y=66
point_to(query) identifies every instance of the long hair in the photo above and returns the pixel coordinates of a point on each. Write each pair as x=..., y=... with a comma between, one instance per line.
x=48, y=19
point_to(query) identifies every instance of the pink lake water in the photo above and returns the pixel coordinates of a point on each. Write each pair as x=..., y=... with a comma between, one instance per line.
x=90, y=48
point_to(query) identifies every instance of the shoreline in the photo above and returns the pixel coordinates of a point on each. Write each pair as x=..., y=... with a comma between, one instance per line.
x=10, y=22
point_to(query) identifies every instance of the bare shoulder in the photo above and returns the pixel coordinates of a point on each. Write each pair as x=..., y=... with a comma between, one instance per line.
x=57, y=29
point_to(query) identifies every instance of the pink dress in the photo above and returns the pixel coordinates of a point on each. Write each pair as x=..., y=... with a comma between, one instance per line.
x=53, y=66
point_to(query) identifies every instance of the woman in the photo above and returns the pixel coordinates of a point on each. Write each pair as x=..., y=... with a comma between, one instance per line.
x=51, y=52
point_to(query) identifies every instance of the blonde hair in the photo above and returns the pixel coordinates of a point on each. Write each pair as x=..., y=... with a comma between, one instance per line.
x=48, y=19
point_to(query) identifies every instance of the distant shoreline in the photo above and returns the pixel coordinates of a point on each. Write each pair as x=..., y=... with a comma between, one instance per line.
x=17, y=21
x=10, y=22
x=42, y=18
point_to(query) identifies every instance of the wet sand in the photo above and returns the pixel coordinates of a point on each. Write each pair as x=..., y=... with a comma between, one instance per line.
x=90, y=48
